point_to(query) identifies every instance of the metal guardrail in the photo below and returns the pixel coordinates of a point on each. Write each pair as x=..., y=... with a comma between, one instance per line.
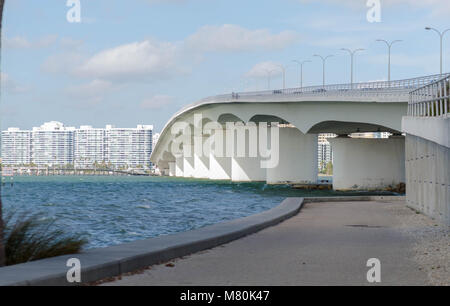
x=431, y=100
x=382, y=87
x=378, y=88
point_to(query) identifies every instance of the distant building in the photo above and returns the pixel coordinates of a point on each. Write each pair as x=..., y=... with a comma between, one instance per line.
x=53, y=144
x=89, y=146
x=129, y=147
x=325, y=152
x=16, y=147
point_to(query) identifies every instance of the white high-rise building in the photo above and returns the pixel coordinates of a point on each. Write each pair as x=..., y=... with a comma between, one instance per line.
x=89, y=147
x=127, y=147
x=52, y=144
x=16, y=147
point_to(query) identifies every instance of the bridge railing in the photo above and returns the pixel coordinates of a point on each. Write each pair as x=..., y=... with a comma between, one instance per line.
x=382, y=88
x=431, y=100
x=398, y=87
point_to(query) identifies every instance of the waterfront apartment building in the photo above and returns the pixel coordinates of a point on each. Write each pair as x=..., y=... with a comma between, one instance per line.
x=126, y=147
x=53, y=144
x=89, y=146
x=16, y=147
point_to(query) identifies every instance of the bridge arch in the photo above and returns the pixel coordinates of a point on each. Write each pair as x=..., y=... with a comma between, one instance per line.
x=348, y=127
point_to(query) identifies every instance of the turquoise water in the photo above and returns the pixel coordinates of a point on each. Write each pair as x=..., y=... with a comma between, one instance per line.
x=109, y=210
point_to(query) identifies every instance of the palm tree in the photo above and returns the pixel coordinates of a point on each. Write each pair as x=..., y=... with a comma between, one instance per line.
x=2, y=248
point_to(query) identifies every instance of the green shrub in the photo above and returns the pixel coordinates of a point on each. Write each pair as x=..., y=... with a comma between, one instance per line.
x=27, y=238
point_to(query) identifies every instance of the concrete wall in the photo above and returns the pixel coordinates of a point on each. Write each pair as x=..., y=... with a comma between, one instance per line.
x=428, y=177
x=367, y=163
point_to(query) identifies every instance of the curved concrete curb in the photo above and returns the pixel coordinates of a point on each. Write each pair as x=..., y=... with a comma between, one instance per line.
x=97, y=264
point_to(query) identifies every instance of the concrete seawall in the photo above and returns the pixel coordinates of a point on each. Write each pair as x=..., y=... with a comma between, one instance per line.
x=97, y=264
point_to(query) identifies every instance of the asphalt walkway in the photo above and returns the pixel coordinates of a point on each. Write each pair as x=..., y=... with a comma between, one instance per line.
x=327, y=243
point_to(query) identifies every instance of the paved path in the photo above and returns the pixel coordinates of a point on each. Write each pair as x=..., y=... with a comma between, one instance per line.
x=325, y=244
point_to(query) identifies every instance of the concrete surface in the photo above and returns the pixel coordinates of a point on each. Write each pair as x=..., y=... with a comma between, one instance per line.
x=367, y=163
x=435, y=129
x=328, y=243
x=428, y=177
x=97, y=264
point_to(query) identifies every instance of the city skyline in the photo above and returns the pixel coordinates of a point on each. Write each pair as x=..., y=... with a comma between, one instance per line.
x=53, y=143
x=76, y=72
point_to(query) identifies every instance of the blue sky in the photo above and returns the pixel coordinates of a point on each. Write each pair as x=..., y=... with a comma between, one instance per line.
x=139, y=61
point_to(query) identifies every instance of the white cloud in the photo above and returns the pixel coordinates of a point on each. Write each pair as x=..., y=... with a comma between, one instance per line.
x=151, y=60
x=230, y=37
x=262, y=70
x=92, y=92
x=157, y=102
x=136, y=61
x=10, y=86
x=20, y=42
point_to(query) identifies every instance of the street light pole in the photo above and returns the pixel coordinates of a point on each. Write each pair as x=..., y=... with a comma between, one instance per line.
x=269, y=73
x=352, y=56
x=283, y=69
x=441, y=35
x=300, y=65
x=323, y=68
x=389, y=45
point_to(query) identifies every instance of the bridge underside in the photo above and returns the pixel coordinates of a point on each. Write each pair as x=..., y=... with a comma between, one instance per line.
x=287, y=150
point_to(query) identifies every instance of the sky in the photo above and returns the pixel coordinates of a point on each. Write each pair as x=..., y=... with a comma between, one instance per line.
x=139, y=61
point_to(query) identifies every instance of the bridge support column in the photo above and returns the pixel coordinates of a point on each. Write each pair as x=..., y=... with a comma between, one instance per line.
x=179, y=163
x=219, y=163
x=219, y=168
x=188, y=163
x=367, y=164
x=246, y=169
x=172, y=168
x=201, y=166
x=297, y=158
x=201, y=157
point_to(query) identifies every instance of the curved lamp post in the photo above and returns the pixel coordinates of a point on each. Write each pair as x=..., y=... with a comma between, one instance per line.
x=352, y=56
x=269, y=74
x=324, y=59
x=283, y=69
x=300, y=65
x=389, y=45
x=441, y=35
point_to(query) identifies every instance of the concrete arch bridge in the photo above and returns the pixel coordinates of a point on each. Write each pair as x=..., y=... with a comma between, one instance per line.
x=272, y=135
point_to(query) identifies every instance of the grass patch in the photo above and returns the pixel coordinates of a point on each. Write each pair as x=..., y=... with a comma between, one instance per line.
x=28, y=238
